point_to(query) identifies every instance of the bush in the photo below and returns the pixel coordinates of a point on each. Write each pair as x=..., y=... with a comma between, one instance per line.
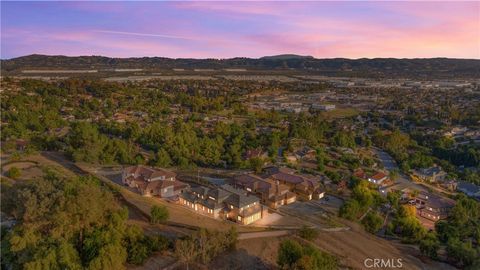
x=308, y=233
x=158, y=214
x=350, y=210
x=372, y=222
x=14, y=173
x=291, y=255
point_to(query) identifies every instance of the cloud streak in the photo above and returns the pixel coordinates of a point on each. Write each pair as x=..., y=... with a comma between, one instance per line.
x=144, y=34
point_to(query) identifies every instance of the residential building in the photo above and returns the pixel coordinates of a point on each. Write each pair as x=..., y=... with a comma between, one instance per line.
x=271, y=193
x=469, y=189
x=433, y=174
x=433, y=207
x=225, y=202
x=152, y=181
x=307, y=187
x=377, y=178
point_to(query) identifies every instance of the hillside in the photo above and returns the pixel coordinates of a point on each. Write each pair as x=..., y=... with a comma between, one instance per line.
x=377, y=67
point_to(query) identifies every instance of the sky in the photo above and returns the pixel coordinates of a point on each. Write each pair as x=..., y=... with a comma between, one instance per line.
x=189, y=29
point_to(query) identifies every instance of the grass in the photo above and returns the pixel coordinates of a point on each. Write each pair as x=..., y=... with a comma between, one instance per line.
x=340, y=113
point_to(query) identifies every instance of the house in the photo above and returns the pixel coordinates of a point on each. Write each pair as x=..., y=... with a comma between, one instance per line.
x=152, y=182
x=306, y=153
x=21, y=144
x=433, y=207
x=271, y=193
x=471, y=190
x=224, y=202
x=449, y=185
x=377, y=178
x=255, y=153
x=360, y=173
x=307, y=187
x=433, y=174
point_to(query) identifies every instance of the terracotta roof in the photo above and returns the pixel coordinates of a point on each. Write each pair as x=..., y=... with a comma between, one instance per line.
x=360, y=174
x=378, y=176
x=148, y=172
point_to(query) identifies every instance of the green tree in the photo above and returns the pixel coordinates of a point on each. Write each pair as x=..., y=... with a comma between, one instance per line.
x=14, y=172
x=430, y=245
x=372, y=222
x=158, y=214
x=289, y=253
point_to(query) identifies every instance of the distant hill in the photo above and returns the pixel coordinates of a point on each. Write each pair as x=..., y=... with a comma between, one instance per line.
x=376, y=67
x=286, y=57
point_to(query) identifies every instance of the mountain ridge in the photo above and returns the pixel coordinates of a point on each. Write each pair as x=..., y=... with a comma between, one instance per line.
x=378, y=67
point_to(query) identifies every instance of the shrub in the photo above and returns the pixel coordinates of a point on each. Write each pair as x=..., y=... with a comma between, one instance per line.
x=308, y=233
x=158, y=214
x=372, y=222
x=14, y=173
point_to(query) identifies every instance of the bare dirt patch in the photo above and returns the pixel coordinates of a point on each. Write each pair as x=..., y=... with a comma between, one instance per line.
x=356, y=245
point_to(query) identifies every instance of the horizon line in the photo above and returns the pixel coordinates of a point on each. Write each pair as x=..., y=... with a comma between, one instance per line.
x=246, y=57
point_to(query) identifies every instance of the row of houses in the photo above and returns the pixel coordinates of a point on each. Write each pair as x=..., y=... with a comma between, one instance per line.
x=225, y=202
x=240, y=202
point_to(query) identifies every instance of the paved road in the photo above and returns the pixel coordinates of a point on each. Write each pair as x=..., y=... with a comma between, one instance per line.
x=402, y=181
x=243, y=236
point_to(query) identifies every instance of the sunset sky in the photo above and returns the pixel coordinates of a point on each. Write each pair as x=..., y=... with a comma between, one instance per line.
x=243, y=29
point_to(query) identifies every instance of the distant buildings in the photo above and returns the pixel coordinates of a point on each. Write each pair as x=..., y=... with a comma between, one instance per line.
x=323, y=107
x=152, y=182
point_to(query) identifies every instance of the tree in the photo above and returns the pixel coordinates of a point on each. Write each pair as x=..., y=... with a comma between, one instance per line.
x=256, y=164
x=289, y=253
x=394, y=174
x=372, y=222
x=350, y=210
x=158, y=214
x=292, y=255
x=320, y=160
x=65, y=224
x=185, y=250
x=162, y=159
x=14, y=172
x=429, y=245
